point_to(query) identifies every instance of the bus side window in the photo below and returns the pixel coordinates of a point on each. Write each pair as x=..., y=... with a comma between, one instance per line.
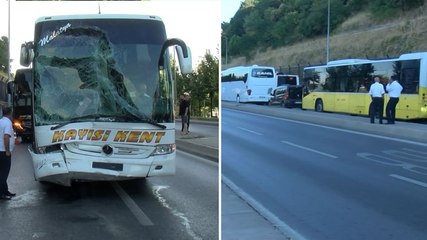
x=409, y=80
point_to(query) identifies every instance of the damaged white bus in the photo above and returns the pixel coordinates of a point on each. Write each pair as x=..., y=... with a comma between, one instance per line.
x=103, y=100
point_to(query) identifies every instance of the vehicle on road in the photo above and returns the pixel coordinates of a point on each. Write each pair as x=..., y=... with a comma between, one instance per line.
x=343, y=85
x=290, y=79
x=22, y=110
x=287, y=96
x=248, y=83
x=92, y=119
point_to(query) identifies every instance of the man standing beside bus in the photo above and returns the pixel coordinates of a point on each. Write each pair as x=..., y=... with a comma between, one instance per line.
x=7, y=144
x=393, y=89
x=377, y=105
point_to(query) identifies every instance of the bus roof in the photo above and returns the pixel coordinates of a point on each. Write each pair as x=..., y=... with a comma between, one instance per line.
x=247, y=67
x=343, y=62
x=97, y=16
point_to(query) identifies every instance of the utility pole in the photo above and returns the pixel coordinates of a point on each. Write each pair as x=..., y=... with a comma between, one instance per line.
x=327, y=37
x=8, y=39
x=226, y=50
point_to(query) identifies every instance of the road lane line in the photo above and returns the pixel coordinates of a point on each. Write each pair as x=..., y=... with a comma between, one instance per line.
x=333, y=128
x=133, y=207
x=415, y=151
x=410, y=180
x=247, y=130
x=309, y=149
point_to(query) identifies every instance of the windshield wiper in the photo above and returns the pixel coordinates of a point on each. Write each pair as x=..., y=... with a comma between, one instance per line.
x=108, y=118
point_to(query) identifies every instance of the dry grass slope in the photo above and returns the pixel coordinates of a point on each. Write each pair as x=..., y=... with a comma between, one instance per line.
x=358, y=37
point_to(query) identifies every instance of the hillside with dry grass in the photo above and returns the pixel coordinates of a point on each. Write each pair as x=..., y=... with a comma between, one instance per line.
x=358, y=37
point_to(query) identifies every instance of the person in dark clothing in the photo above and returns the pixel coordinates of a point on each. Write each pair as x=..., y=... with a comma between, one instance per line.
x=187, y=98
x=183, y=112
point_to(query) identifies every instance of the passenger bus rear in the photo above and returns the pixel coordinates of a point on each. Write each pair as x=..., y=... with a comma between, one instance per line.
x=248, y=84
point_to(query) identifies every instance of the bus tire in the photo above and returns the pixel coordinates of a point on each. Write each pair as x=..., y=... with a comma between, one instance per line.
x=318, y=107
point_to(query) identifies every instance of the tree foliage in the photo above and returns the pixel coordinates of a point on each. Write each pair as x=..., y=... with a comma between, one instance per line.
x=4, y=52
x=261, y=24
x=202, y=84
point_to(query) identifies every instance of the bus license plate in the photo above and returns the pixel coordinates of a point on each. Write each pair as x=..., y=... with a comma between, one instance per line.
x=109, y=166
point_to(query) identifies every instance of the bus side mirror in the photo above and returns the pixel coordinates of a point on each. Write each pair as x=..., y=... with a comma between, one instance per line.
x=184, y=54
x=27, y=54
x=185, y=63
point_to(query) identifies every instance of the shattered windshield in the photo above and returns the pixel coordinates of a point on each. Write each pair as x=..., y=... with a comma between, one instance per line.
x=101, y=67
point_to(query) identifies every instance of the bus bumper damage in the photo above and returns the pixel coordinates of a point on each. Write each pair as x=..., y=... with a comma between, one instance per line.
x=64, y=167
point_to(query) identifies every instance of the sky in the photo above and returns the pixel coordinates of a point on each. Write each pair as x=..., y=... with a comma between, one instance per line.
x=229, y=8
x=196, y=22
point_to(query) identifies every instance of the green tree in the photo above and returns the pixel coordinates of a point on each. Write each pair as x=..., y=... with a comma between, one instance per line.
x=260, y=24
x=4, y=53
x=202, y=84
x=207, y=75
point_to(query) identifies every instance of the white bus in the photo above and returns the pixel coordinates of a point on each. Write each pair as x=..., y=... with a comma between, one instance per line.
x=92, y=120
x=248, y=84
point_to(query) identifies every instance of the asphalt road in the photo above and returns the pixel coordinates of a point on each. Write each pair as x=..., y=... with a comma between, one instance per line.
x=325, y=182
x=184, y=206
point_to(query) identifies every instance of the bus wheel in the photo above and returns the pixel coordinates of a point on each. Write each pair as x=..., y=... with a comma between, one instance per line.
x=283, y=104
x=238, y=99
x=319, y=105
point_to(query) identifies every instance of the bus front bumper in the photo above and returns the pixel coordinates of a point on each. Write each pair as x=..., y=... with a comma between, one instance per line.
x=56, y=168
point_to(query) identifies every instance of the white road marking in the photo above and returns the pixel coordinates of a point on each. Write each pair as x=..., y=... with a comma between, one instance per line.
x=185, y=220
x=409, y=156
x=410, y=180
x=250, y=131
x=284, y=228
x=309, y=149
x=415, y=151
x=133, y=207
x=28, y=199
x=334, y=128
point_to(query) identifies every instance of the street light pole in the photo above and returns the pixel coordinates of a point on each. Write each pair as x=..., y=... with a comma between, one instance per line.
x=8, y=39
x=327, y=37
x=226, y=50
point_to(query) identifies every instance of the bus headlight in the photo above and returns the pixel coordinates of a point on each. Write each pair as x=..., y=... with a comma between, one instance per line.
x=17, y=124
x=164, y=149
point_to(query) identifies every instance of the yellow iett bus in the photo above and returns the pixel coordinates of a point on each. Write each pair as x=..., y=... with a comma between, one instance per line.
x=343, y=85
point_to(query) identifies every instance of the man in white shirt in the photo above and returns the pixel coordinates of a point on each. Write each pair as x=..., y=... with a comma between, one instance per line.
x=377, y=105
x=393, y=89
x=7, y=144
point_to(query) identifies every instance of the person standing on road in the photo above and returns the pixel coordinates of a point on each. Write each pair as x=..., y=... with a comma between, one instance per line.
x=7, y=144
x=181, y=100
x=393, y=90
x=183, y=112
x=187, y=98
x=377, y=94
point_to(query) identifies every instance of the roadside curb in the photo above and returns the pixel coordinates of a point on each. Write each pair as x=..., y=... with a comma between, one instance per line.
x=199, y=150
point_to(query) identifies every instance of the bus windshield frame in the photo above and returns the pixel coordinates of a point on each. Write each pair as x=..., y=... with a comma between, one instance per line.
x=101, y=70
